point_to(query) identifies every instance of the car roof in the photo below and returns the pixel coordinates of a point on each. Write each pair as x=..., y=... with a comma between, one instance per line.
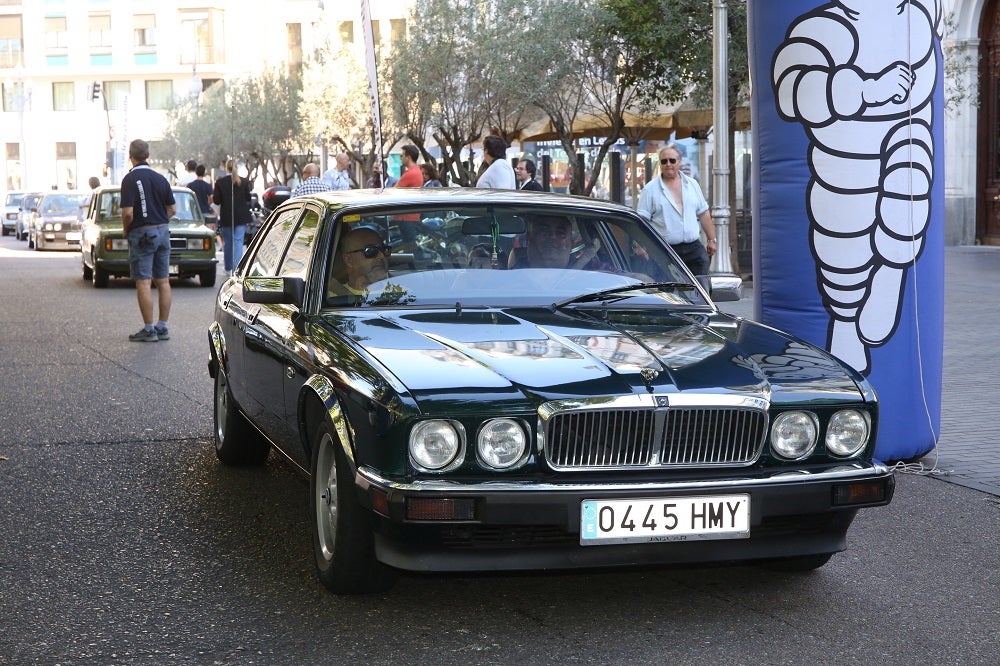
x=458, y=196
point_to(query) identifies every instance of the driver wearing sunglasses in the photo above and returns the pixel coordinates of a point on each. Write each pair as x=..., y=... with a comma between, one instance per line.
x=366, y=257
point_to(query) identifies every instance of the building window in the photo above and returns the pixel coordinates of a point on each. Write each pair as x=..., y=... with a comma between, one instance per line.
x=11, y=42
x=398, y=29
x=56, y=37
x=115, y=94
x=376, y=32
x=347, y=32
x=66, y=164
x=144, y=31
x=202, y=38
x=63, y=96
x=13, y=166
x=100, y=31
x=159, y=95
x=12, y=96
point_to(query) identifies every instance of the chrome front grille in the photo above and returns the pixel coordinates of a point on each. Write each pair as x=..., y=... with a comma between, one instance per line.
x=638, y=437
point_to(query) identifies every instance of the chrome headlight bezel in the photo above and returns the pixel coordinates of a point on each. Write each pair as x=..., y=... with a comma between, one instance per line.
x=794, y=435
x=848, y=433
x=502, y=443
x=436, y=445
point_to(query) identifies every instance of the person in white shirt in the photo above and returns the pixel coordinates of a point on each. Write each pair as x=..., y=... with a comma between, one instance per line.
x=499, y=174
x=676, y=207
x=339, y=177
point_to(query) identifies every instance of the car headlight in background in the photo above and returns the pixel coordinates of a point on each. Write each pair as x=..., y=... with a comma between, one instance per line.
x=435, y=445
x=794, y=434
x=48, y=226
x=501, y=443
x=198, y=244
x=847, y=432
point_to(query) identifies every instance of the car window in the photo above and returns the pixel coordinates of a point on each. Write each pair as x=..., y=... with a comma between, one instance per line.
x=271, y=248
x=483, y=256
x=109, y=206
x=296, y=261
x=187, y=206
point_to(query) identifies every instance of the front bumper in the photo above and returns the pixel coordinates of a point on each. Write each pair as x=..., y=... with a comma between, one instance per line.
x=184, y=266
x=530, y=526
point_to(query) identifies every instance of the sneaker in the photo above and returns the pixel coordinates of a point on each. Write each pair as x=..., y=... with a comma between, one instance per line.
x=144, y=336
x=162, y=333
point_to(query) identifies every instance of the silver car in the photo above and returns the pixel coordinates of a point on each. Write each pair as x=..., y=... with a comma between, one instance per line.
x=57, y=221
x=12, y=202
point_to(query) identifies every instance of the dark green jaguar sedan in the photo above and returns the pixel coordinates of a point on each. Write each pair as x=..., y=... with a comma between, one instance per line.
x=482, y=380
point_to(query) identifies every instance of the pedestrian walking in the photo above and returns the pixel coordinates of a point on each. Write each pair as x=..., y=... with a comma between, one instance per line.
x=232, y=195
x=311, y=182
x=675, y=206
x=147, y=204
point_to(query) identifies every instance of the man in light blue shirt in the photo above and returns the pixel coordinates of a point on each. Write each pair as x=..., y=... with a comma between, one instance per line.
x=676, y=207
x=339, y=176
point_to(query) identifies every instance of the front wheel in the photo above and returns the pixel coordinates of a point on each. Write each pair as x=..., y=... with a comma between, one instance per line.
x=237, y=443
x=207, y=278
x=88, y=272
x=343, y=543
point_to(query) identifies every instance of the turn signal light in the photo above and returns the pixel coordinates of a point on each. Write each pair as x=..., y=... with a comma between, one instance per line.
x=862, y=492
x=440, y=509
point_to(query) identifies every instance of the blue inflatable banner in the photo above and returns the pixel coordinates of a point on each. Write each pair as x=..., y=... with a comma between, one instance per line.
x=847, y=116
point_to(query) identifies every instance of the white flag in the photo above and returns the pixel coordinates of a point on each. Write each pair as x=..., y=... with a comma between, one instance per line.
x=366, y=26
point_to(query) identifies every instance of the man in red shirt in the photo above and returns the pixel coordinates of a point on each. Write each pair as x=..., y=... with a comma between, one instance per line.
x=411, y=176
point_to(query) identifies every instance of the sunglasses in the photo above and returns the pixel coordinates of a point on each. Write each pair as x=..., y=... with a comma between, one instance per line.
x=668, y=160
x=372, y=251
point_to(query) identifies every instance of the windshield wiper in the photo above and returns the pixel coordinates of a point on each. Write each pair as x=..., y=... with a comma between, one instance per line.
x=619, y=293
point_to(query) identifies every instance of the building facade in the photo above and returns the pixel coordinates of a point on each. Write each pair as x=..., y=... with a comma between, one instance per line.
x=82, y=78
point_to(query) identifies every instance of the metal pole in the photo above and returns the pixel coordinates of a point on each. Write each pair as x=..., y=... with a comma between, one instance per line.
x=721, y=262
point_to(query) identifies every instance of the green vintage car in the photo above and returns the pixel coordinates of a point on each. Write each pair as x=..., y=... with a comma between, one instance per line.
x=482, y=380
x=104, y=248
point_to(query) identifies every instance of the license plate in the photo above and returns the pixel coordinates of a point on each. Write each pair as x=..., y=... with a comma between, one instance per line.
x=174, y=269
x=664, y=519
x=73, y=236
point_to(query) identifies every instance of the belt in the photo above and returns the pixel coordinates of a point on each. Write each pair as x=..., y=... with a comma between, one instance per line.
x=685, y=243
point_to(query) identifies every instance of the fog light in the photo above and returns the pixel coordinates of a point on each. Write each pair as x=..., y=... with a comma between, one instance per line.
x=418, y=508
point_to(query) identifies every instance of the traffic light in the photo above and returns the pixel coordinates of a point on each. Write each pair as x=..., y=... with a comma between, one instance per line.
x=95, y=92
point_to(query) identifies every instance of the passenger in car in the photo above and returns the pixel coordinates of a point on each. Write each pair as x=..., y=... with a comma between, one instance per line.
x=549, y=245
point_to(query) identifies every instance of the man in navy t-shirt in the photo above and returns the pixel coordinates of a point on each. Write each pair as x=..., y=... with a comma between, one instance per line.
x=147, y=203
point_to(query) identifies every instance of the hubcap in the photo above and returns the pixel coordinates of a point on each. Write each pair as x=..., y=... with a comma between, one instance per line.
x=326, y=495
x=221, y=407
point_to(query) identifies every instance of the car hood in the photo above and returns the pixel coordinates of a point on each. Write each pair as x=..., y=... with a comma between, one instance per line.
x=532, y=355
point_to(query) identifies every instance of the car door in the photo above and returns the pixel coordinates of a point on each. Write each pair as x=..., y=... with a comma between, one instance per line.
x=239, y=325
x=266, y=330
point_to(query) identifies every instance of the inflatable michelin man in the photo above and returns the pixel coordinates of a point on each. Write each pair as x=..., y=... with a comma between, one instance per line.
x=859, y=75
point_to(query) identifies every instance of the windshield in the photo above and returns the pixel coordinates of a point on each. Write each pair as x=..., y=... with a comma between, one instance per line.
x=63, y=204
x=501, y=256
x=14, y=199
x=109, y=207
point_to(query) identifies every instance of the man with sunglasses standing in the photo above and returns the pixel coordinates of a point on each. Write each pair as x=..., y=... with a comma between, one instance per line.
x=676, y=207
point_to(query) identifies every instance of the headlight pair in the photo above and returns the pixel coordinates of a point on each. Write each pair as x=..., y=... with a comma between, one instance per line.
x=438, y=445
x=794, y=435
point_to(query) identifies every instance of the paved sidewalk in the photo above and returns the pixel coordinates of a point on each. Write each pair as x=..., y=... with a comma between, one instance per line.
x=968, y=451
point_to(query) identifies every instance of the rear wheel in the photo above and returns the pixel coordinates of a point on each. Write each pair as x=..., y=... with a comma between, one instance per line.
x=343, y=542
x=99, y=276
x=237, y=443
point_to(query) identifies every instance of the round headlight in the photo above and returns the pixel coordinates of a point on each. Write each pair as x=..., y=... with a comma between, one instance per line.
x=794, y=434
x=434, y=444
x=501, y=443
x=847, y=433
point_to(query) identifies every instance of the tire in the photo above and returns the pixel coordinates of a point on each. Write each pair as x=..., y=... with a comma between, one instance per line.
x=207, y=278
x=237, y=444
x=800, y=564
x=343, y=542
x=31, y=242
x=99, y=277
x=88, y=272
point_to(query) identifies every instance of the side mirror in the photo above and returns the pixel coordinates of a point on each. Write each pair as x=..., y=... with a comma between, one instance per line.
x=274, y=290
x=722, y=288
